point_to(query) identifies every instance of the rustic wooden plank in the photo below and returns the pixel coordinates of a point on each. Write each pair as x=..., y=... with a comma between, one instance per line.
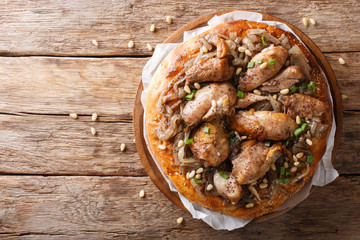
x=108, y=86
x=67, y=27
x=48, y=145
x=59, y=145
x=109, y=207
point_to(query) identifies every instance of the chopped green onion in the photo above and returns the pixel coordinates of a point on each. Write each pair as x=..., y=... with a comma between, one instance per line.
x=206, y=129
x=287, y=173
x=293, y=89
x=223, y=175
x=197, y=180
x=250, y=65
x=259, y=61
x=278, y=180
x=203, y=84
x=232, y=132
x=190, y=96
x=302, y=164
x=298, y=132
x=287, y=141
x=189, y=141
x=263, y=41
x=267, y=143
x=282, y=171
x=233, y=139
x=303, y=126
x=304, y=85
x=240, y=94
x=309, y=158
x=183, y=123
x=286, y=180
x=271, y=62
x=312, y=86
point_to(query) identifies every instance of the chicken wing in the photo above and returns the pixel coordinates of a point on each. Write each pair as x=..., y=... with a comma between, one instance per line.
x=274, y=57
x=228, y=188
x=211, y=144
x=304, y=106
x=254, y=161
x=263, y=125
x=290, y=76
x=249, y=99
x=211, y=101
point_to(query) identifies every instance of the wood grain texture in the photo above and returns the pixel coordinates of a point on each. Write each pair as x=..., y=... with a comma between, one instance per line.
x=66, y=28
x=55, y=85
x=109, y=208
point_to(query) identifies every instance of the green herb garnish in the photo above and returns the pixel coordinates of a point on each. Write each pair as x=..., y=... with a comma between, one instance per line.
x=287, y=141
x=190, y=96
x=259, y=61
x=302, y=164
x=293, y=89
x=286, y=180
x=267, y=143
x=203, y=84
x=298, y=132
x=250, y=65
x=206, y=129
x=240, y=94
x=304, y=126
x=189, y=141
x=309, y=158
x=183, y=124
x=271, y=62
x=287, y=173
x=263, y=41
x=223, y=175
x=233, y=139
x=278, y=180
x=197, y=180
x=311, y=86
x=304, y=85
x=282, y=171
x=232, y=132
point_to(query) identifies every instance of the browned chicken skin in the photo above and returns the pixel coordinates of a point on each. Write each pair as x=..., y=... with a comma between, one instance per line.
x=285, y=79
x=228, y=188
x=211, y=144
x=255, y=76
x=263, y=125
x=249, y=99
x=201, y=107
x=210, y=70
x=304, y=106
x=254, y=161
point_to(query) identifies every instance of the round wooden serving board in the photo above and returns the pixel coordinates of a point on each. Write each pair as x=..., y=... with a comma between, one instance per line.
x=138, y=114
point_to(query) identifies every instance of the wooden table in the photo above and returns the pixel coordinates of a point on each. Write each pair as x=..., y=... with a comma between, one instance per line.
x=58, y=181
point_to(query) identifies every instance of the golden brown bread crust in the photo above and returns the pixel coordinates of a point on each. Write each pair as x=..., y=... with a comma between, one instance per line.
x=170, y=67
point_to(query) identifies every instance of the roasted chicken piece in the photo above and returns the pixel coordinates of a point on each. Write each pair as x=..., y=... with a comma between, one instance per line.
x=287, y=78
x=249, y=99
x=210, y=70
x=304, y=106
x=221, y=47
x=211, y=101
x=211, y=144
x=254, y=161
x=275, y=58
x=263, y=125
x=228, y=188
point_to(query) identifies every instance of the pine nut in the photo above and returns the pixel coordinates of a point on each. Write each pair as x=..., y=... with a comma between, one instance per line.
x=94, y=117
x=122, y=147
x=341, y=61
x=243, y=137
x=168, y=19
x=299, y=155
x=286, y=165
x=263, y=185
x=257, y=92
x=180, y=143
x=162, y=147
x=287, y=63
x=198, y=176
x=265, y=180
x=284, y=91
x=73, y=115
x=248, y=52
x=249, y=205
x=209, y=187
x=253, y=183
x=308, y=141
x=238, y=71
x=293, y=169
x=192, y=174
x=313, y=22
x=298, y=120
x=187, y=89
x=295, y=158
x=263, y=65
x=343, y=96
x=274, y=96
x=305, y=22
x=296, y=164
x=93, y=131
x=241, y=49
x=142, y=193
x=200, y=170
x=197, y=85
x=152, y=28
x=204, y=49
x=273, y=167
x=180, y=220
x=95, y=43
x=131, y=44
x=149, y=47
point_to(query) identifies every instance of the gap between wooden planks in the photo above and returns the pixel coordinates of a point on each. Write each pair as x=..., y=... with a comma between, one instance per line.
x=66, y=28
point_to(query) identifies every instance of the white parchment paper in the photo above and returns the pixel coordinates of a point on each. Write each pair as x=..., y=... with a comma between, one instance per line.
x=324, y=174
